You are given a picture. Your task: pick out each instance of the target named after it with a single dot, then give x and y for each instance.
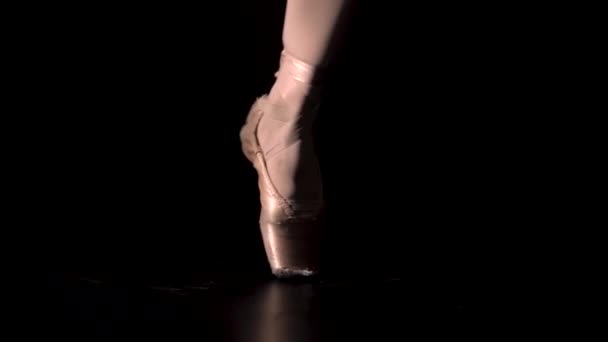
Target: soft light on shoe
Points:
(291, 230)
(293, 248)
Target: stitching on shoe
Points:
(263, 170)
(290, 207)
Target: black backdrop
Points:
(143, 174)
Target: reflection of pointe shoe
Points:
(291, 229)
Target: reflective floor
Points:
(268, 310)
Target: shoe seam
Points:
(285, 204)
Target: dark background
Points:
(144, 178)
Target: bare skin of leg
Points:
(311, 28)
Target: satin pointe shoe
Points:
(291, 229)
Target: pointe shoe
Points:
(291, 230)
